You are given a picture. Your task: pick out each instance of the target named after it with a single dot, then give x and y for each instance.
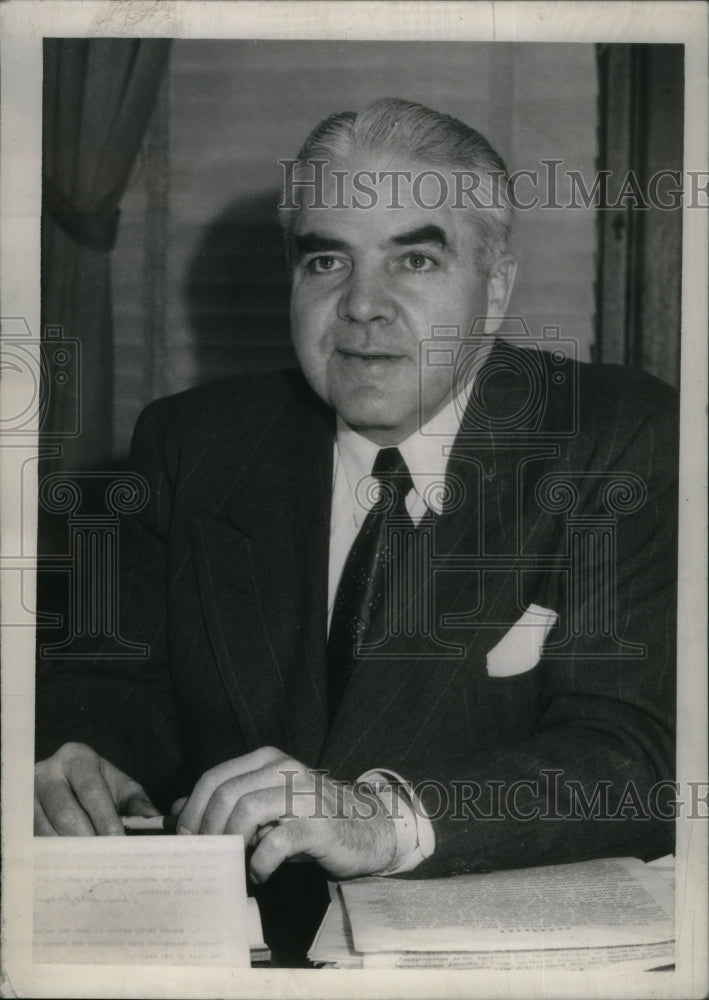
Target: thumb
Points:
(139, 805)
(178, 805)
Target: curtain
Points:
(98, 98)
(639, 278)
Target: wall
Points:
(232, 109)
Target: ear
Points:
(500, 281)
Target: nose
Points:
(366, 298)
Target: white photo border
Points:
(24, 23)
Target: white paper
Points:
(141, 901)
(334, 947)
(593, 903)
(333, 941)
(640, 956)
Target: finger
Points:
(226, 799)
(129, 797)
(96, 799)
(256, 810)
(42, 826)
(62, 810)
(291, 840)
(193, 813)
(177, 806)
(261, 833)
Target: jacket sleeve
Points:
(596, 776)
(122, 706)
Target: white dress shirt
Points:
(426, 454)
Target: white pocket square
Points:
(520, 649)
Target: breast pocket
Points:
(520, 649)
(503, 704)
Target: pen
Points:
(149, 824)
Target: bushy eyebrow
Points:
(423, 234)
(315, 242)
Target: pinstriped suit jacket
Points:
(224, 575)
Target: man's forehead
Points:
(379, 197)
(381, 223)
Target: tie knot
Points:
(391, 470)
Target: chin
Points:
(378, 426)
(366, 409)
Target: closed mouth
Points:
(362, 356)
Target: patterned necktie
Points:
(361, 591)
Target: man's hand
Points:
(79, 794)
(288, 811)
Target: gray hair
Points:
(396, 127)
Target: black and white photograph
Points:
(353, 465)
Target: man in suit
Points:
(483, 680)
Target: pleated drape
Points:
(98, 98)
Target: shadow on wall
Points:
(237, 292)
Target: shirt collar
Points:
(425, 452)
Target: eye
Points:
(417, 261)
(324, 263)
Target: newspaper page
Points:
(605, 902)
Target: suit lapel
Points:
(262, 569)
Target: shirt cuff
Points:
(415, 837)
